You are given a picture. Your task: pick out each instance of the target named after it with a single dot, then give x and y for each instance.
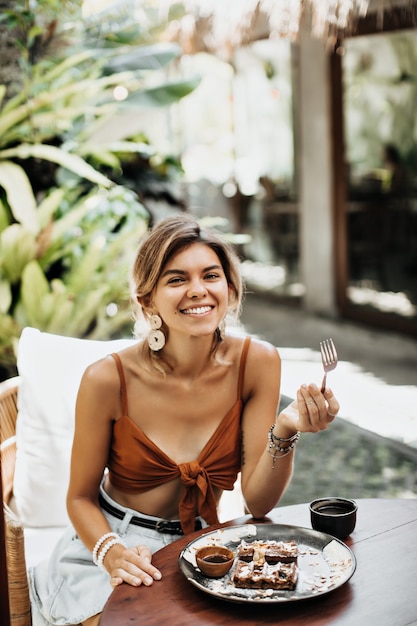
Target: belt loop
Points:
(125, 523)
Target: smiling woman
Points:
(182, 270)
(164, 426)
(193, 299)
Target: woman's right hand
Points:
(132, 566)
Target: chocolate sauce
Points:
(215, 558)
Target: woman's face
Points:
(192, 293)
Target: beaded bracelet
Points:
(106, 548)
(277, 448)
(100, 542)
(284, 439)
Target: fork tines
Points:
(328, 351)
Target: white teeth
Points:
(197, 311)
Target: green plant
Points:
(67, 227)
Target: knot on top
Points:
(190, 472)
(198, 497)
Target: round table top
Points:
(384, 543)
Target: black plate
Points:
(324, 563)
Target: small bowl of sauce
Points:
(335, 516)
(214, 561)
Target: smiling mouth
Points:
(199, 310)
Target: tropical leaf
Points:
(18, 247)
(88, 266)
(19, 193)
(9, 331)
(47, 306)
(4, 216)
(49, 206)
(5, 296)
(112, 326)
(69, 161)
(47, 75)
(162, 95)
(86, 311)
(143, 58)
(64, 224)
(100, 156)
(54, 274)
(3, 90)
(130, 147)
(87, 87)
(63, 306)
(34, 291)
(74, 60)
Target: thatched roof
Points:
(219, 27)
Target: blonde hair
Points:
(166, 239)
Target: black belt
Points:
(161, 526)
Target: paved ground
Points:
(389, 356)
(371, 450)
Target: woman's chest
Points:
(180, 419)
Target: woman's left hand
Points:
(312, 410)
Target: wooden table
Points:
(381, 592)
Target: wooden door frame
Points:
(393, 20)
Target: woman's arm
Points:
(98, 404)
(96, 408)
(265, 478)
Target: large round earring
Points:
(156, 338)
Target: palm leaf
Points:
(162, 95)
(143, 58)
(72, 162)
(20, 196)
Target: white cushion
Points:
(50, 367)
(39, 543)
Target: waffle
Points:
(266, 565)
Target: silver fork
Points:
(329, 359)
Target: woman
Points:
(174, 418)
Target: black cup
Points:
(335, 516)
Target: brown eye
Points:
(176, 279)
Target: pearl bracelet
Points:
(100, 542)
(106, 548)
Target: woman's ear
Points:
(232, 295)
(144, 301)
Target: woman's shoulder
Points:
(262, 355)
(258, 350)
(104, 371)
(101, 374)
(262, 365)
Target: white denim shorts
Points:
(69, 588)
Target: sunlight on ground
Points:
(273, 278)
(386, 301)
(367, 401)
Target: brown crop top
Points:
(137, 465)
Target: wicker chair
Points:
(20, 614)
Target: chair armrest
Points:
(20, 613)
(8, 462)
(19, 600)
(8, 417)
(8, 407)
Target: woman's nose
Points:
(196, 289)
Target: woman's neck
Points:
(189, 357)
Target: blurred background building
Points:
(307, 146)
